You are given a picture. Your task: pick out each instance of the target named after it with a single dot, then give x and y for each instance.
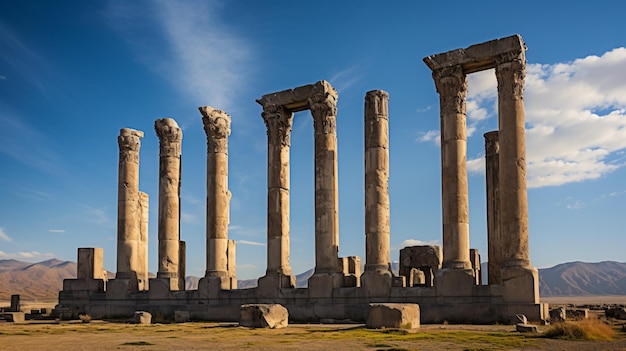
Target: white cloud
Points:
(25, 255)
(416, 242)
(575, 117)
(343, 80)
(4, 236)
(431, 135)
(476, 165)
(203, 58)
(56, 231)
(575, 205)
(248, 242)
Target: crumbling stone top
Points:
(297, 99)
(478, 57)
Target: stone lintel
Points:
(478, 57)
(296, 99)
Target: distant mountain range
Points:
(43, 280)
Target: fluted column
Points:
(451, 85)
(217, 129)
(278, 121)
(128, 207)
(142, 276)
(324, 110)
(494, 239)
(170, 138)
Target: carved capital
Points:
(451, 85)
(376, 102)
(278, 121)
(324, 110)
(129, 143)
(511, 73)
(492, 143)
(170, 137)
(217, 128)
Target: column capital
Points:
(451, 83)
(170, 136)
(511, 73)
(376, 104)
(492, 145)
(323, 107)
(216, 122)
(278, 121)
(129, 143)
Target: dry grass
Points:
(588, 329)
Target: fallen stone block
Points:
(616, 312)
(577, 314)
(263, 316)
(526, 328)
(393, 315)
(15, 317)
(520, 319)
(143, 317)
(558, 315)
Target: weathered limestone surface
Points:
(142, 274)
(170, 138)
(143, 317)
(217, 129)
(377, 278)
(128, 209)
(393, 315)
(90, 272)
(426, 258)
(475, 261)
(558, 315)
(15, 303)
(263, 316)
(492, 176)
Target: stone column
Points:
(170, 138)
(128, 210)
(519, 277)
(494, 239)
(451, 84)
(323, 107)
(142, 275)
(377, 278)
(217, 129)
(278, 121)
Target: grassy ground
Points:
(198, 336)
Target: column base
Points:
(520, 284)
(160, 288)
(210, 287)
(455, 282)
(322, 284)
(377, 283)
(173, 279)
(270, 284)
(119, 288)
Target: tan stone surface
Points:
(492, 176)
(393, 315)
(263, 316)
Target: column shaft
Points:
(142, 276)
(170, 138)
(324, 110)
(128, 209)
(376, 181)
(217, 129)
(494, 239)
(512, 172)
(451, 85)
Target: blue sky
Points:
(72, 73)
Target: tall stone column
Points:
(451, 83)
(377, 278)
(142, 275)
(217, 129)
(278, 121)
(128, 210)
(323, 106)
(494, 239)
(520, 279)
(170, 138)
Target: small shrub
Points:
(589, 329)
(85, 318)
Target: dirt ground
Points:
(99, 335)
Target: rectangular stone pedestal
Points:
(520, 284)
(321, 285)
(455, 282)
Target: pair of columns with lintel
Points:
(449, 73)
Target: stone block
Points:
(321, 285)
(143, 317)
(15, 317)
(520, 284)
(526, 328)
(416, 278)
(90, 263)
(181, 316)
(558, 315)
(615, 312)
(377, 283)
(393, 315)
(15, 303)
(263, 316)
(520, 318)
(427, 258)
(455, 282)
(577, 314)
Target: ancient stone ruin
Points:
(439, 284)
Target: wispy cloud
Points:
(417, 242)
(25, 255)
(575, 205)
(429, 136)
(56, 231)
(98, 216)
(248, 242)
(203, 58)
(4, 236)
(346, 78)
(575, 118)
